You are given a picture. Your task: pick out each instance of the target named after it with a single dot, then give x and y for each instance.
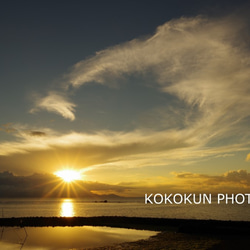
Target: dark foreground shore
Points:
(156, 224)
(174, 233)
(180, 241)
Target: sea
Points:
(124, 207)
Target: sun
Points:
(69, 175)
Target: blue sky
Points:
(134, 93)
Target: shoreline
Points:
(144, 223)
(173, 233)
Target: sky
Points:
(138, 96)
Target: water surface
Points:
(132, 208)
(62, 238)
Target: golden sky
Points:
(164, 110)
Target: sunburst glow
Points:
(68, 175)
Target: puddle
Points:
(62, 238)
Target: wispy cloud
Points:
(41, 149)
(202, 61)
(57, 103)
(110, 144)
(248, 157)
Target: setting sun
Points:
(68, 175)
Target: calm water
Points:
(137, 208)
(62, 238)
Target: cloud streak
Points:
(53, 151)
(204, 62)
(57, 103)
(201, 61)
(45, 150)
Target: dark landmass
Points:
(190, 226)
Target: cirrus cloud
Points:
(202, 61)
(57, 103)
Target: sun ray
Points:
(81, 187)
(62, 189)
(54, 189)
(72, 186)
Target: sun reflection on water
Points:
(67, 208)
